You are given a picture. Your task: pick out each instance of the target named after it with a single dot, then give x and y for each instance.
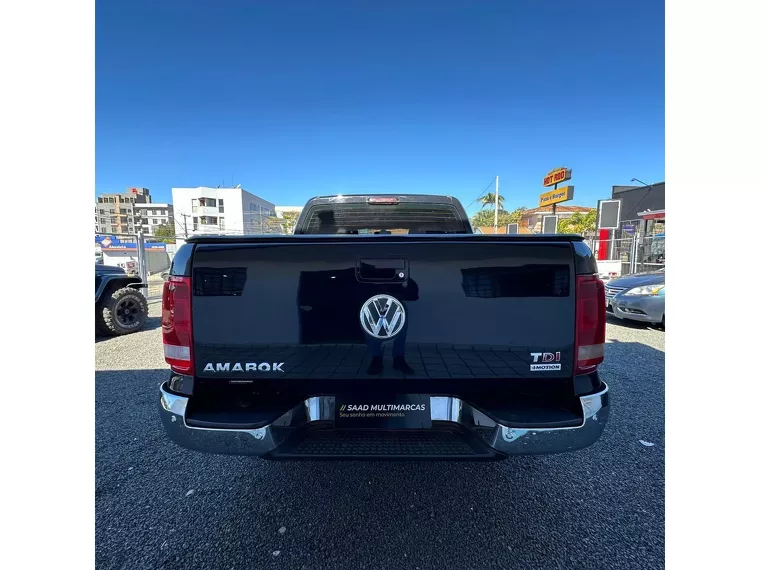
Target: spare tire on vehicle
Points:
(122, 312)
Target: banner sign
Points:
(556, 196)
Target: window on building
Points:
(221, 221)
(208, 202)
(102, 221)
(96, 229)
(209, 220)
(221, 206)
(96, 219)
(100, 200)
(195, 204)
(155, 222)
(195, 223)
(113, 221)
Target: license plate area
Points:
(382, 411)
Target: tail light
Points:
(177, 324)
(590, 323)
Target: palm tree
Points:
(490, 199)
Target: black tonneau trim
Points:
(394, 238)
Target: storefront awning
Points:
(652, 215)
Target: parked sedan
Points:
(639, 297)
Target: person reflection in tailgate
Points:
(404, 292)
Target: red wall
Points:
(604, 244)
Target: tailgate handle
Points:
(382, 270)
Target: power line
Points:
(481, 194)
(646, 194)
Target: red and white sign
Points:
(558, 175)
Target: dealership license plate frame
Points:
(379, 411)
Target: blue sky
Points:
(297, 98)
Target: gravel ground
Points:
(159, 506)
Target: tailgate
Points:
(453, 307)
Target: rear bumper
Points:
(459, 432)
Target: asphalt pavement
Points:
(161, 507)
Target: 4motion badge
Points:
(545, 361)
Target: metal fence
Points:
(636, 253)
(139, 255)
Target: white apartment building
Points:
(151, 216)
(205, 210)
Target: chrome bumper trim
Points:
(502, 438)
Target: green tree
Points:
(484, 218)
(514, 216)
(490, 199)
(166, 233)
(578, 223)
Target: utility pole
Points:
(496, 209)
(184, 222)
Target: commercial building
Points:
(115, 213)
(642, 208)
(205, 210)
(638, 242)
(122, 252)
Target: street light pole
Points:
(641, 182)
(496, 209)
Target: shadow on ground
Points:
(151, 323)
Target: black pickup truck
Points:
(384, 328)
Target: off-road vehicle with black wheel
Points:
(120, 306)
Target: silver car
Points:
(639, 297)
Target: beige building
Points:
(531, 220)
(115, 213)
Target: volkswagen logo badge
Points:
(382, 316)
